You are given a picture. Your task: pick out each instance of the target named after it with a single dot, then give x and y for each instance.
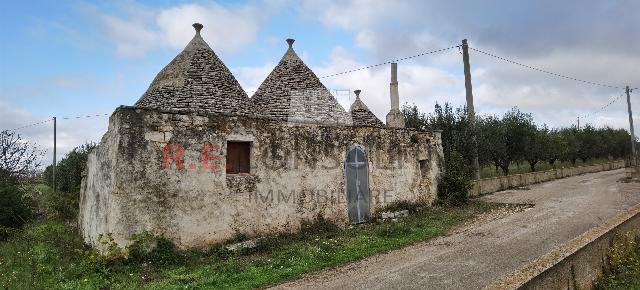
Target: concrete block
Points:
(387, 215)
(250, 244)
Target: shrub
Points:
(158, 249)
(318, 226)
(60, 204)
(15, 209)
(456, 133)
(399, 205)
(65, 202)
(454, 183)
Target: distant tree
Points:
(69, 170)
(454, 184)
(413, 118)
(552, 144)
(515, 138)
(518, 127)
(508, 139)
(19, 158)
(492, 148)
(615, 142)
(590, 143)
(456, 130)
(570, 144)
(534, 146)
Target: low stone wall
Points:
(490, 185)
(576, 265)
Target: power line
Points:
(545, 71)
(31, 125)
(86, 116)
(390, 61)
(63, 118)
(603, 107)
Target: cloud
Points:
(418, 84)
(70, 133)
(250, 78)
(355, 14)
(227, 30)
(131, 37)
(534, 27)
(137, 30)
(584, 43)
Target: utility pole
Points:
(578, 122)
(54, 155)
(633, 136)
(471, 114)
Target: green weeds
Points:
(49, 254)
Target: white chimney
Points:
(395, 117)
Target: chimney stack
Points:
(395, 117)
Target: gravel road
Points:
(479, 254)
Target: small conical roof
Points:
(361, 115)
(196, 80)
(293, 92)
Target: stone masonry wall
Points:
(165, 172)
(495, 184)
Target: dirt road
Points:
(478, 255)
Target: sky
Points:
(79, 58)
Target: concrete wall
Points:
(577, 264)
(490, 185)
(297, 174)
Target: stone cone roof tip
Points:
(196, 80)
(293, 92)
(361, 115)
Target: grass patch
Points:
(48, 254)
(624, 259)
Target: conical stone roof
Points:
(361, 115)
(196, 80)
(292, 92)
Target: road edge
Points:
(578, 264)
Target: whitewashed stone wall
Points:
(297, 175)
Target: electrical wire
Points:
(603, 107)
(545, 71)
(86, 116)
(63, 118)
(30, 125)
(390, 61)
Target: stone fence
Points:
(494, 184)
(577, 264)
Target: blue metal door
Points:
(357, 175)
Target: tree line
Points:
(512, 138)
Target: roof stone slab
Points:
(196, 80)
(292, 92)
(361, 115)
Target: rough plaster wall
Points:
(98, 186)
(297, 174)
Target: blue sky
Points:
(68, 58)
